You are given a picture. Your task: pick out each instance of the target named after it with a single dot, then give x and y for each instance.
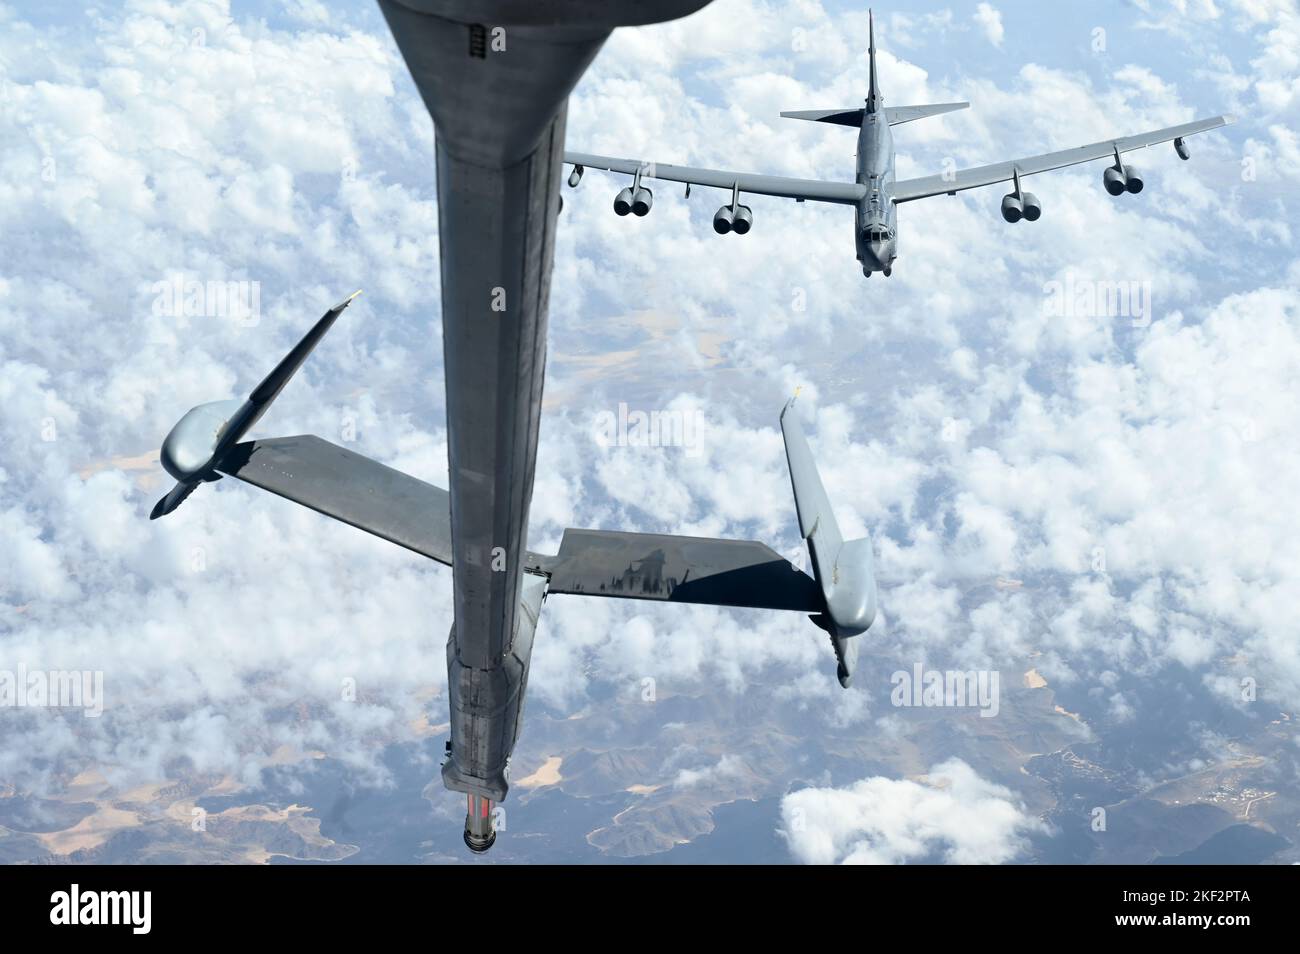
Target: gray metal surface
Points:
(346, 486)
(495, 77)
(499, 127)
(653, 566)
(486, 705)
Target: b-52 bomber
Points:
(876, 194)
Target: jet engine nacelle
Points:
(1013, 210)
(642, 199)
(743, 220)
(723, 220)
(1180, 147)
(575, 176)
(1115, 181)
(1133, 180)
(1031, 207)
(623, 202)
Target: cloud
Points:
(951, 815)
(989, 19)
(728, 767)
(1129, 473)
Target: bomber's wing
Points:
(654, 566)
(816, 190)
(909, 189)
(346, 486)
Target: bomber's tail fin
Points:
(874, 100)
(906, 114)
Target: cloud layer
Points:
(1128, 471)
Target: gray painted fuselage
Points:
(876, 225)
(495, 76)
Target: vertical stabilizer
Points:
(844, 569)
(874, 99)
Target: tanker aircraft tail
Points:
(839, 596)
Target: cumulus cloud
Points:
(951, 815)
(1128, 472)
(989, 19)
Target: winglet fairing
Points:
(196, 447)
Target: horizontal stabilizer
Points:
(348, 487)
(906, 114)
(652, 566)
(840, 117)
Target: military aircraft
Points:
(876, 194)
(486, 702)
(498, 102)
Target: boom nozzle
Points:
(479, 833)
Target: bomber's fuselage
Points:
(876, 220)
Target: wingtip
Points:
(346, 301)
(1229, 119)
